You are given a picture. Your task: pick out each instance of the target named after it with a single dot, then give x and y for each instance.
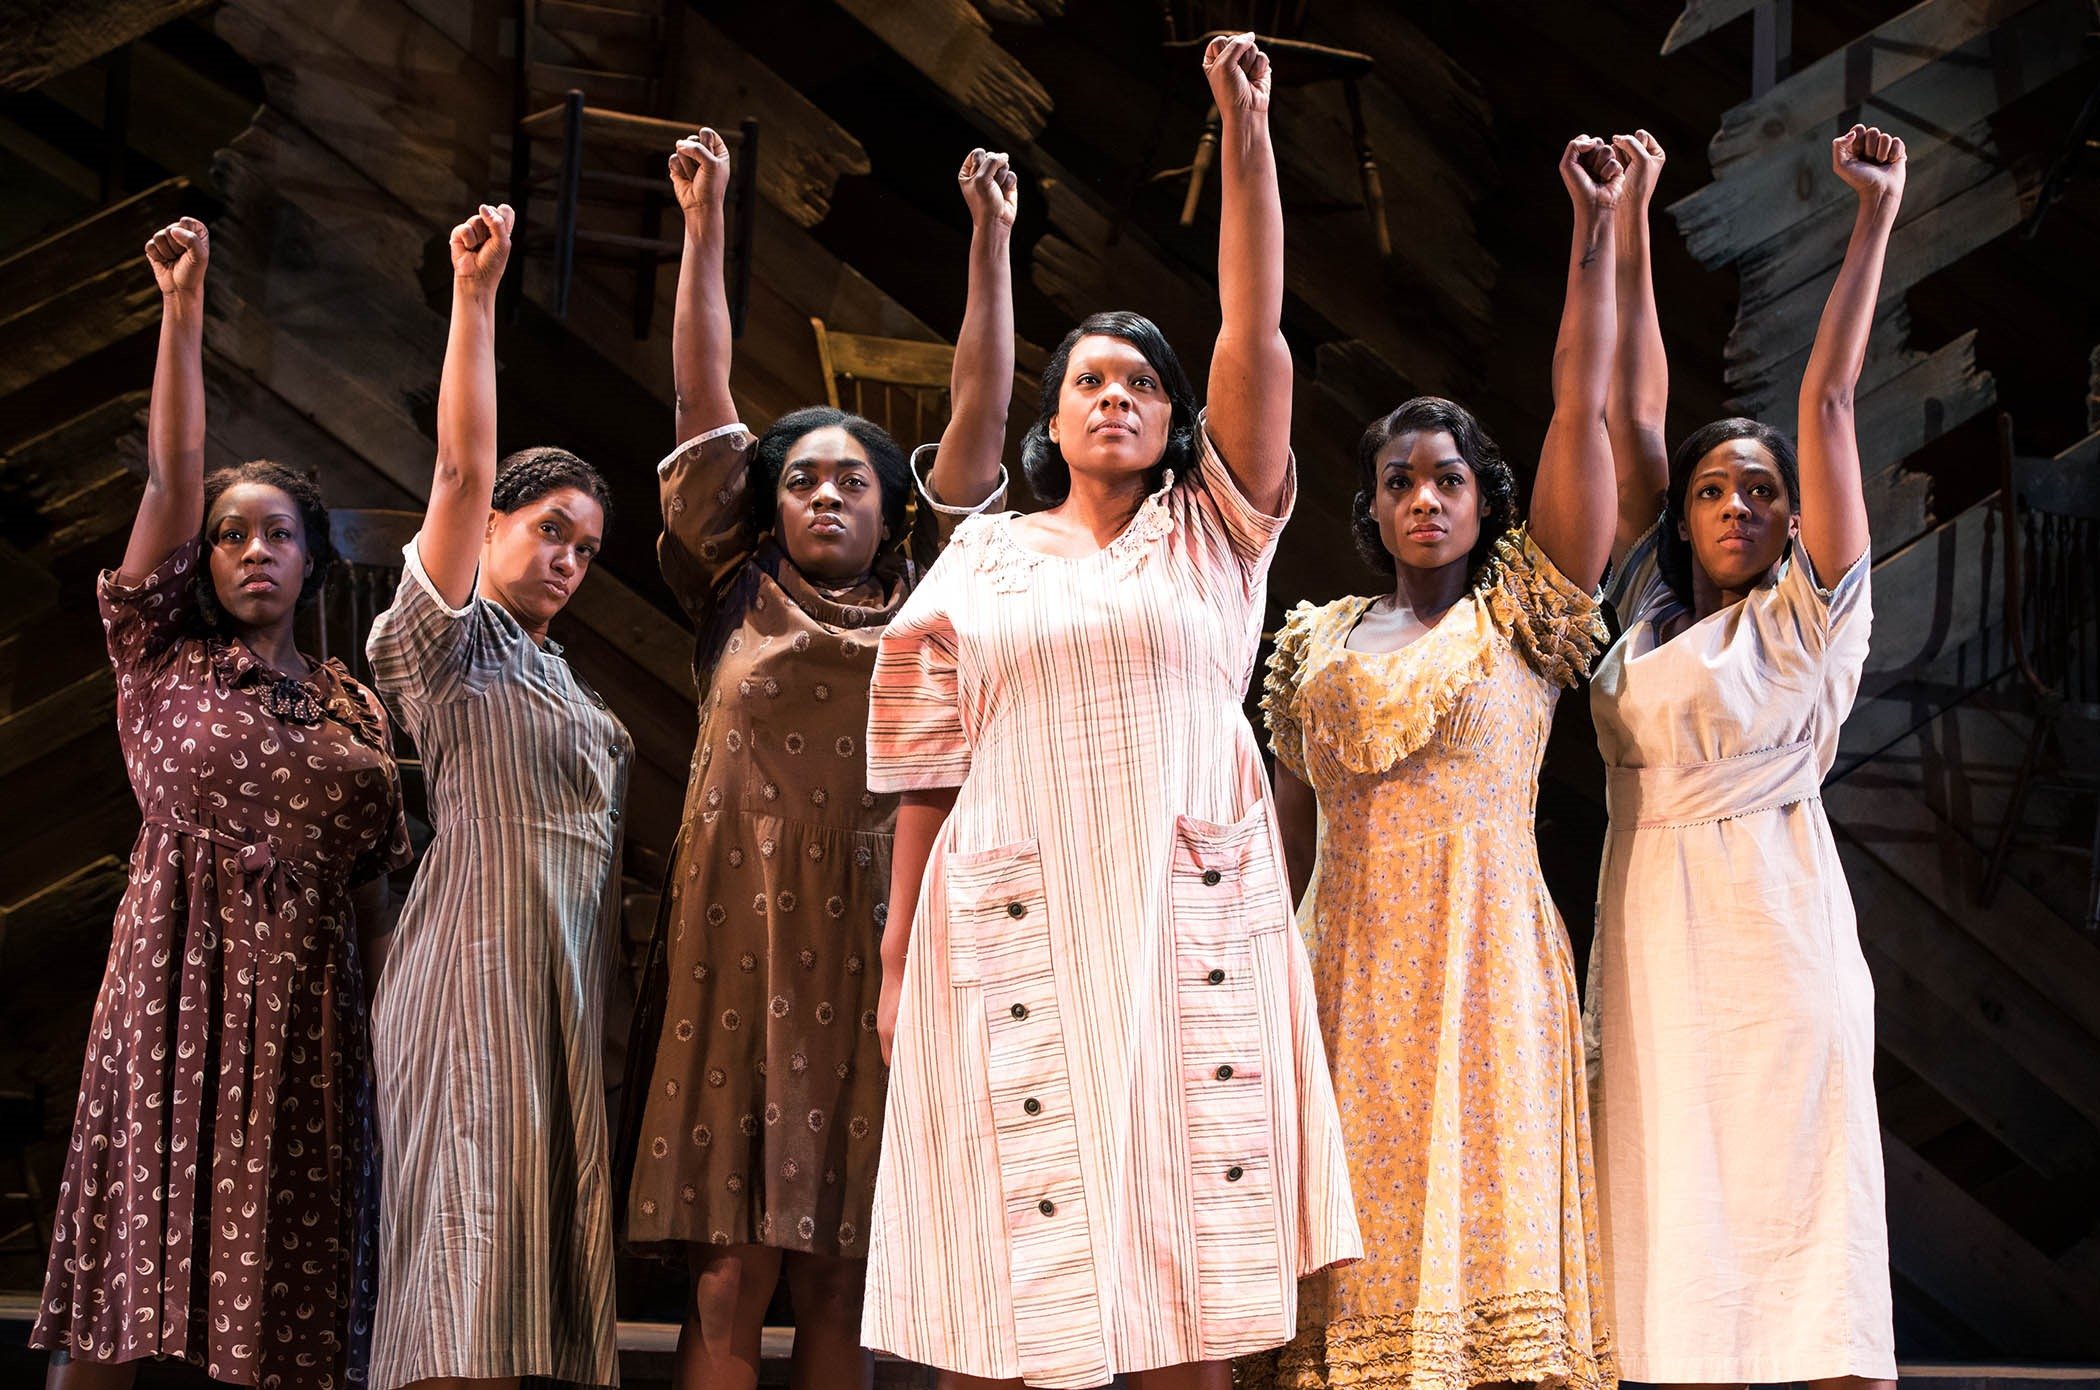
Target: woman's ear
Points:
(488, 531)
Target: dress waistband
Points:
(1694, 793)
(255, 854)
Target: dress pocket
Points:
(995, 904)
(1229, 912)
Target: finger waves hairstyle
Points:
(1673, 553)
(1500, 511)
(313, 519)
(1049, 476)
(769, 461)
(531, 474)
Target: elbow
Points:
(1828, 402)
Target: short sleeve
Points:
(1631, 586)
(937, 520)
(1279, 691)
(143, 622)
(425, 651)
(1248, 530)
(916, 739)
(393, 849)
(1556, 627)
(1832, 623)
(704, 485)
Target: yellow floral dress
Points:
(1446, 992)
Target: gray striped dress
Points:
(496, 1254)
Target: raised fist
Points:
(1239, 74)
(481, 245)
(990, 187)
(1870, 161)
(1642, 156)
(178, 253)
(1595, 178)
(700, 170)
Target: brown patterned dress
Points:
(754, 1105)
(218, 1202)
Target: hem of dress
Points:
(1518, 1338)
(74, 1353)
(667, 1247)
(1725, 1371)
(588, 1378)
(1258, 1345)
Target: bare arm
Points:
(1833, 507)
(700, 336)
(1298, 819)
(450, 543)
(1249, 395)
(172, 509)
(1639, 394)
(920, 816)
(966, 466)
(1573, 501)
(371, 903)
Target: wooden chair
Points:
(1192, 24)
(2051, 509)
(899, 383)
(368, 543)
(24, 1214)
(609, 113)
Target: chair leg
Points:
(1367, 166)
(1206, 156)
(2014, 808)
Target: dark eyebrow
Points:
(1453, 462)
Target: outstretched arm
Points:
(449, 544)
(172, 509)
(1573, 501)
(1249, 397)
(1639, 393)
(700, 336)
(1833, 507)
(966, 466)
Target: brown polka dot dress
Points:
(755, 1094)
(218, 1200)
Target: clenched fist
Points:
(1643, 157)
(178, 254)
(700, 171)
(481, 246)
(1870, 161)
(1595, 178)
(990, 187)
(1239, 74)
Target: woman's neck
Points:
(1100, 507)
(1428, 592)
(484, 588)
(1709, 598)
(277, 647)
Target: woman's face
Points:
(1737, 517)
(534, 557)
(1113, 411)
(828, 506)
(1426, 501)
(259, 563)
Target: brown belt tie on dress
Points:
(1639, 798)
(255, 855)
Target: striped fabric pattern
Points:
(1111, 1142)
(496, 1255)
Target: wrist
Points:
(182, 301)
(703, 222)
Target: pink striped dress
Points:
(1111, 1142)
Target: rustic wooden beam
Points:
(1755, 200)
(43, 38)
(85, 707)
(1841, 81)
(1980, 1270)
(1937, 592)
(1985, 1082)
(88, 896)
(1702, 17)
(952, 45)
(1936, 239)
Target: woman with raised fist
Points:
(1111, 1144)
(1730, 1009)
(1408, 730)
(496, 1257)
(218, 1200)
(755, 1097)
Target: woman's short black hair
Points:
(1500, 512)
(1673, 553)
(769, 461)
(313, 519)
(531, 474)
(1044, 463)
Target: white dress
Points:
(1111, 1142)
(1730, 1015)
